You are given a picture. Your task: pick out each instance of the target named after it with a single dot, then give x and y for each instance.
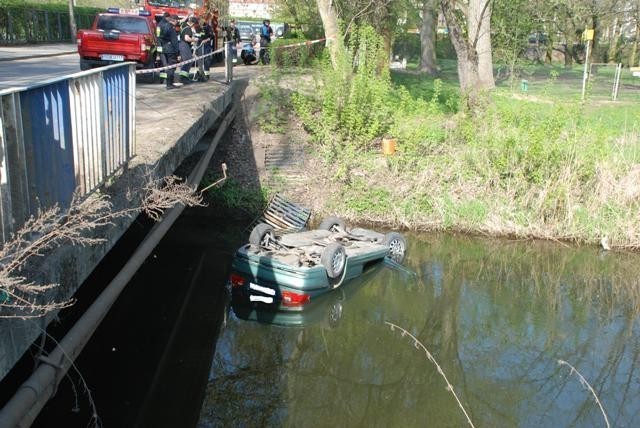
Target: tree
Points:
(428, 29)
(72, 21)
(330, 23)
(469, 29)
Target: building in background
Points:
(259, 9)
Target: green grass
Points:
(540, 163)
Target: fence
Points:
(19, 25)
(63, 136)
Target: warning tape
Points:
(180, 64)
(196, 58)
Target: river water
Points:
(503, 320)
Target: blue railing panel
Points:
(63, 136)
(47, 127)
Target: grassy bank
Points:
(537, 164)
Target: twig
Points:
(586, 384)
(419, 345)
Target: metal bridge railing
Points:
(62, 136)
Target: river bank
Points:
(524, 169)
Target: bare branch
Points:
(586, 384)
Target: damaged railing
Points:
(61, 136)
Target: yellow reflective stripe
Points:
(159, 49)
(184, 73)
(162, 75)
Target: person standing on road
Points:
(233, 35)
(265, 39)
(207, 40)
(169, 42)
(186, 39)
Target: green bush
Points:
(353, 106)
(302, 54)
(40, 22)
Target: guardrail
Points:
(63, 136)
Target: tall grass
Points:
(536, 164)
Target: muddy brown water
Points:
(496, 315)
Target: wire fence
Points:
(605, 82)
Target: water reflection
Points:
(496, 315)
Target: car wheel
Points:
(334, 259)
(332, 224)
(335, 314)
(397, 246)
(84, 65)
(261, 235)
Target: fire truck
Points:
(182, 8)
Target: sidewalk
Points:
(18, 52)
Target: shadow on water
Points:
(497, 316)
(147, 363)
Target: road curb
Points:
(44, 55)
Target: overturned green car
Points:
(289, 271)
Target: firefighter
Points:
(207, 40)
(186, 39)
(169, 43)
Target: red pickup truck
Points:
(116, 36)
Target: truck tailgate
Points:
(116, 44)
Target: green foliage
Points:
(283, 55)
(235, 196)
(407, 45)
(272, 109)
(360, 198)
(40, 22)
(353, 106)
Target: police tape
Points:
(197, 58)
(180, 64)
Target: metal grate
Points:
(283, 215)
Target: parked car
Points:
(287, 272)
(246, 32)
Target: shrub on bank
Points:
(543, 167)
(40, 22)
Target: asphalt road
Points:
(31, 71)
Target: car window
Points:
(125, 24)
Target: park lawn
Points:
(538, 164)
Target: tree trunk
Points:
(634, 48)
(72, 22)
(330, 24)
(613, 42)
(479, 24)
(428, 62)
(466, 54)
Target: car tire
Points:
(397, 245)
(84, 65)
(334, 259)
(332, 224)
(260, 234)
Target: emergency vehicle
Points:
(199, 8)
(119, 35)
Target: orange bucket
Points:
(388, 146)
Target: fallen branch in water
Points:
(419, 345)
(586, 384)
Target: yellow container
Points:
(388, 146)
